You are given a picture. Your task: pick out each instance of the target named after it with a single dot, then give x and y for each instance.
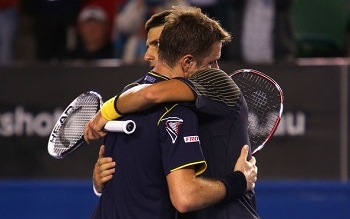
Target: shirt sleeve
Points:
(179, 139)
(98, 194)
(217, 93)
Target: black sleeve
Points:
(217, 93)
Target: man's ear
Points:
(187, 62)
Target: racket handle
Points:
(127, 126)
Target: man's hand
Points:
(103, 171)
(248, 168)
(94, 129)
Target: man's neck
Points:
(166, 70)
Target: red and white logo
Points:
(189, 139)
(172, 125)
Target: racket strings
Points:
(264, 106)
(71, 130)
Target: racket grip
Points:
(127, 126)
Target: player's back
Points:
(222, 139)
(138, 186)
(223, 124)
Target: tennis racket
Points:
(67, 134)
(264, 98)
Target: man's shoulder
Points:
(180, 108)
(133, 84)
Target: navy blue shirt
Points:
(223, 122)
(165, 140)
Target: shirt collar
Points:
(154, 77)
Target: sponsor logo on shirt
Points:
(172, 125)
(189, 139)
(150, 78)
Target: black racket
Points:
(67, 134)
(264, 98)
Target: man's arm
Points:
(190, 193)
(139, 98)
(134, 100)
(105, 168)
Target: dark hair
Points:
(156, 20)
(188, 31)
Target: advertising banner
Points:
(306, 144)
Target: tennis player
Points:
(170, 90)
(165, 150)
(223, 123)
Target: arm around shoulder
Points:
(135, 100)
(189, 192)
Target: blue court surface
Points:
(42, 199)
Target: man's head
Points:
(154, 27)
(191, 39)
(93, 27)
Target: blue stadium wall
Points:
(75, 199)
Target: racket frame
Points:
(280, 112)
(61, 121)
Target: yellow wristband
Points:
(108, 110)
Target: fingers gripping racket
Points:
(67, 134)
(264, 98)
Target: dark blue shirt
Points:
(223, 123)
(165, 140)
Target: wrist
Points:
(115, 105)
(235, 184)
(109, 110)
(96, 191)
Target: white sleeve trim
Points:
(98, 194)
